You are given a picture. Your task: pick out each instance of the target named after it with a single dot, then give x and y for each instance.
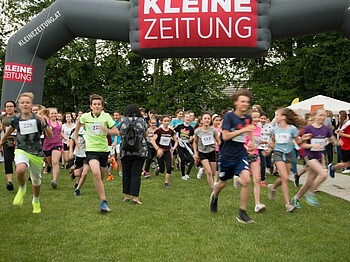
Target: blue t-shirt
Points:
(175, 122)
(119, 138)
(284, 138)
(234, 149)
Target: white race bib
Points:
(165, 140)
(95, 129)
(28, 127)
(208, 140)
(257, 140)
(283, 138)
(318, 141)
(265, 138)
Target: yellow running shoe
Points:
(36, 207)
(19, 198)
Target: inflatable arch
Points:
(164, 28)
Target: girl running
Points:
(151, 151)
(161, 143)
(216, 123)
(318, 135)
(28, 152)
(184, 133)
(282, 143)
(205, 140)
(67, 128)
(53, 146)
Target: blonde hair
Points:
(27, 94)
(292, 118)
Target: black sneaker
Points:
(9, 186)
(213, 203)
(296, 180)
(242, 217)
(156, 171)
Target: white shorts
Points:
(34, 168)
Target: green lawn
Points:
(171, 225)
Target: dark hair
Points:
(292, 118)
(263, 114)
(132, 110)
(241, 92)
(64, 117)
(95, 97)
(10, 101)
(164, 116)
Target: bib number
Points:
(208, 140)
(318, 141)
(164, 140)
(283, 138)
(28, 127)
(95, 129)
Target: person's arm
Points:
(195, 147)
(176, 143)
(217, 139)
(8, 132)
(229, 135)
(153, 142)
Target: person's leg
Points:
(55, 159)
(190, 160)
(322, 174)
(181, 153)
(9, 154)
(127, 166)
(136, 170)
(20, 172)
(255, 170)
(96, 173)
(329, 149)
(85, 169)
(262, 165)
(245, 182)
(283, 169)
(208, 170)
(168, 163)
(312, 174)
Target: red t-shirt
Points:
(346, 141)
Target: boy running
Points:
(98, 125)
(28, 152)
(233, 153)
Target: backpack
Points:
(131, 140)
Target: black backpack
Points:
(131, 140)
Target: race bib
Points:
(318, 141)
(95, 129)
(208, 140)
(28, 127)
(240, 138)
(257, 140)
(283, 138)
(164, 140)
(265, 138)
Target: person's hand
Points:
(160, 152)
(248, 128)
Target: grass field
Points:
(171, 225)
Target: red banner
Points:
(18, 72)
(197, 23)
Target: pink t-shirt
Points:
(56, 140)
(257, 138)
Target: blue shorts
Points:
(228, 169)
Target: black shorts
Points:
(211, 156)
(65, 147)
(345, 155)
(79, 162)
(101, 157)
(48, 153)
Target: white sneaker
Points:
(184, 178)
(236, 183)
(259, 207)
(187, 177)
(346, 171)
(200, 173)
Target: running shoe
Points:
(271, 192)
(77, 192)
(263, 183)
(166, 186)
(295, 202)
(53, 184)
(36, 207)
(156, 171)
(187, 176)
(289, 208)
(213, 203)
(236, 183)
(104, 207)
(296, 180)
(346, 171)
(259, 208)
(19, 198)
(200, 173)
(10, 186)
(312, 200)
(184, 178)
(242, 217)
(146, 174)
(110, 177)
(331, 170)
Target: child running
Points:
(97, 124)
(28, 152)
(282, 144)
(204, 143)
(151, 151)
(233, 155)
(318, 135)
(161, 143)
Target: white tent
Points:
(325, 102)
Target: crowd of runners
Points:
(241, 144)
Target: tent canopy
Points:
(328, 103)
